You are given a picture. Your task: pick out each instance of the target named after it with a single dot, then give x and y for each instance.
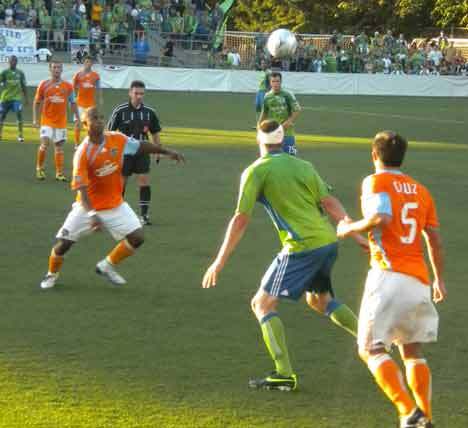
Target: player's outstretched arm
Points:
(149, 148)
(436, 257)
(347, 228)
(335, 210)
(234, 233)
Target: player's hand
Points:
(96, 224)
(178, 157)
(343, 229)
(286, 124)
(211, 276)
(439, 292)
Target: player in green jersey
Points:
(263, 87)
(12, 93)
(295, 197)
(282, 106)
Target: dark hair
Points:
(137, 84)
(87, 58)
(390, 148)
(276, 74)
(268, 126)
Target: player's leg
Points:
(320, 295)
(18, 109)
(142, 168)
(4, 109)
(418, 376)
(59, 157)
(339, 313)
(124, 226)
(75, 226)
(379, 322)
(46, 134)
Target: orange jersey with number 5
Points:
(398, 246)
(85, 85)
(54, 97)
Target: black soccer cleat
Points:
(145, 220)
(417, 419)
(275, 382)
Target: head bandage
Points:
(275, 137)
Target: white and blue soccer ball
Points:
(282, 44)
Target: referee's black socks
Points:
(145, 199)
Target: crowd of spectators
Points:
(109, 22)
(381, 53)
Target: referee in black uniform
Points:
(140, 122)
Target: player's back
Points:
(398, 246)
(292, 191)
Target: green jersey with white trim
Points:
(291, 190)
(279, 106)
(11, 85)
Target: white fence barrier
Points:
(179, 79)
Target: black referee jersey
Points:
(134, 122)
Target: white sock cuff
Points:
(375, 361)
(415, 362)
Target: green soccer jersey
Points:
(290, 189)
(11, 85)
(279, 106)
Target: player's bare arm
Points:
(335, 210)
(234, 233)
(346, 228)
(74, 109)
(436, 257)
(294, 115)
(37, 106)
(146, 147)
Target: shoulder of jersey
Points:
(116, 134)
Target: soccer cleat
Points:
(20, 140)
(275, 382)
(417, 419)
(61, 177)
(49, 281)
(105, 269)
(40, 174)
(145, 220)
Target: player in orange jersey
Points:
(50, 102)
(399, 214)
(87, 87)
(98, 181)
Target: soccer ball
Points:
(282, 43)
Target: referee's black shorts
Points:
(136, 164)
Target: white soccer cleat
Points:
(49, 281)
(105, 269)
(20, 140)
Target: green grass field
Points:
(162, 352)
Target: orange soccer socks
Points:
(390, 379)
(77, 136)
(59, 159)
(55, 262)
(41, 155)
(418, 376)
(120, 252)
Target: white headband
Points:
(275, 137)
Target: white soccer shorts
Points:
(55, 135)
(119, 222)
(395, 309)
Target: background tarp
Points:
(180, 79)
